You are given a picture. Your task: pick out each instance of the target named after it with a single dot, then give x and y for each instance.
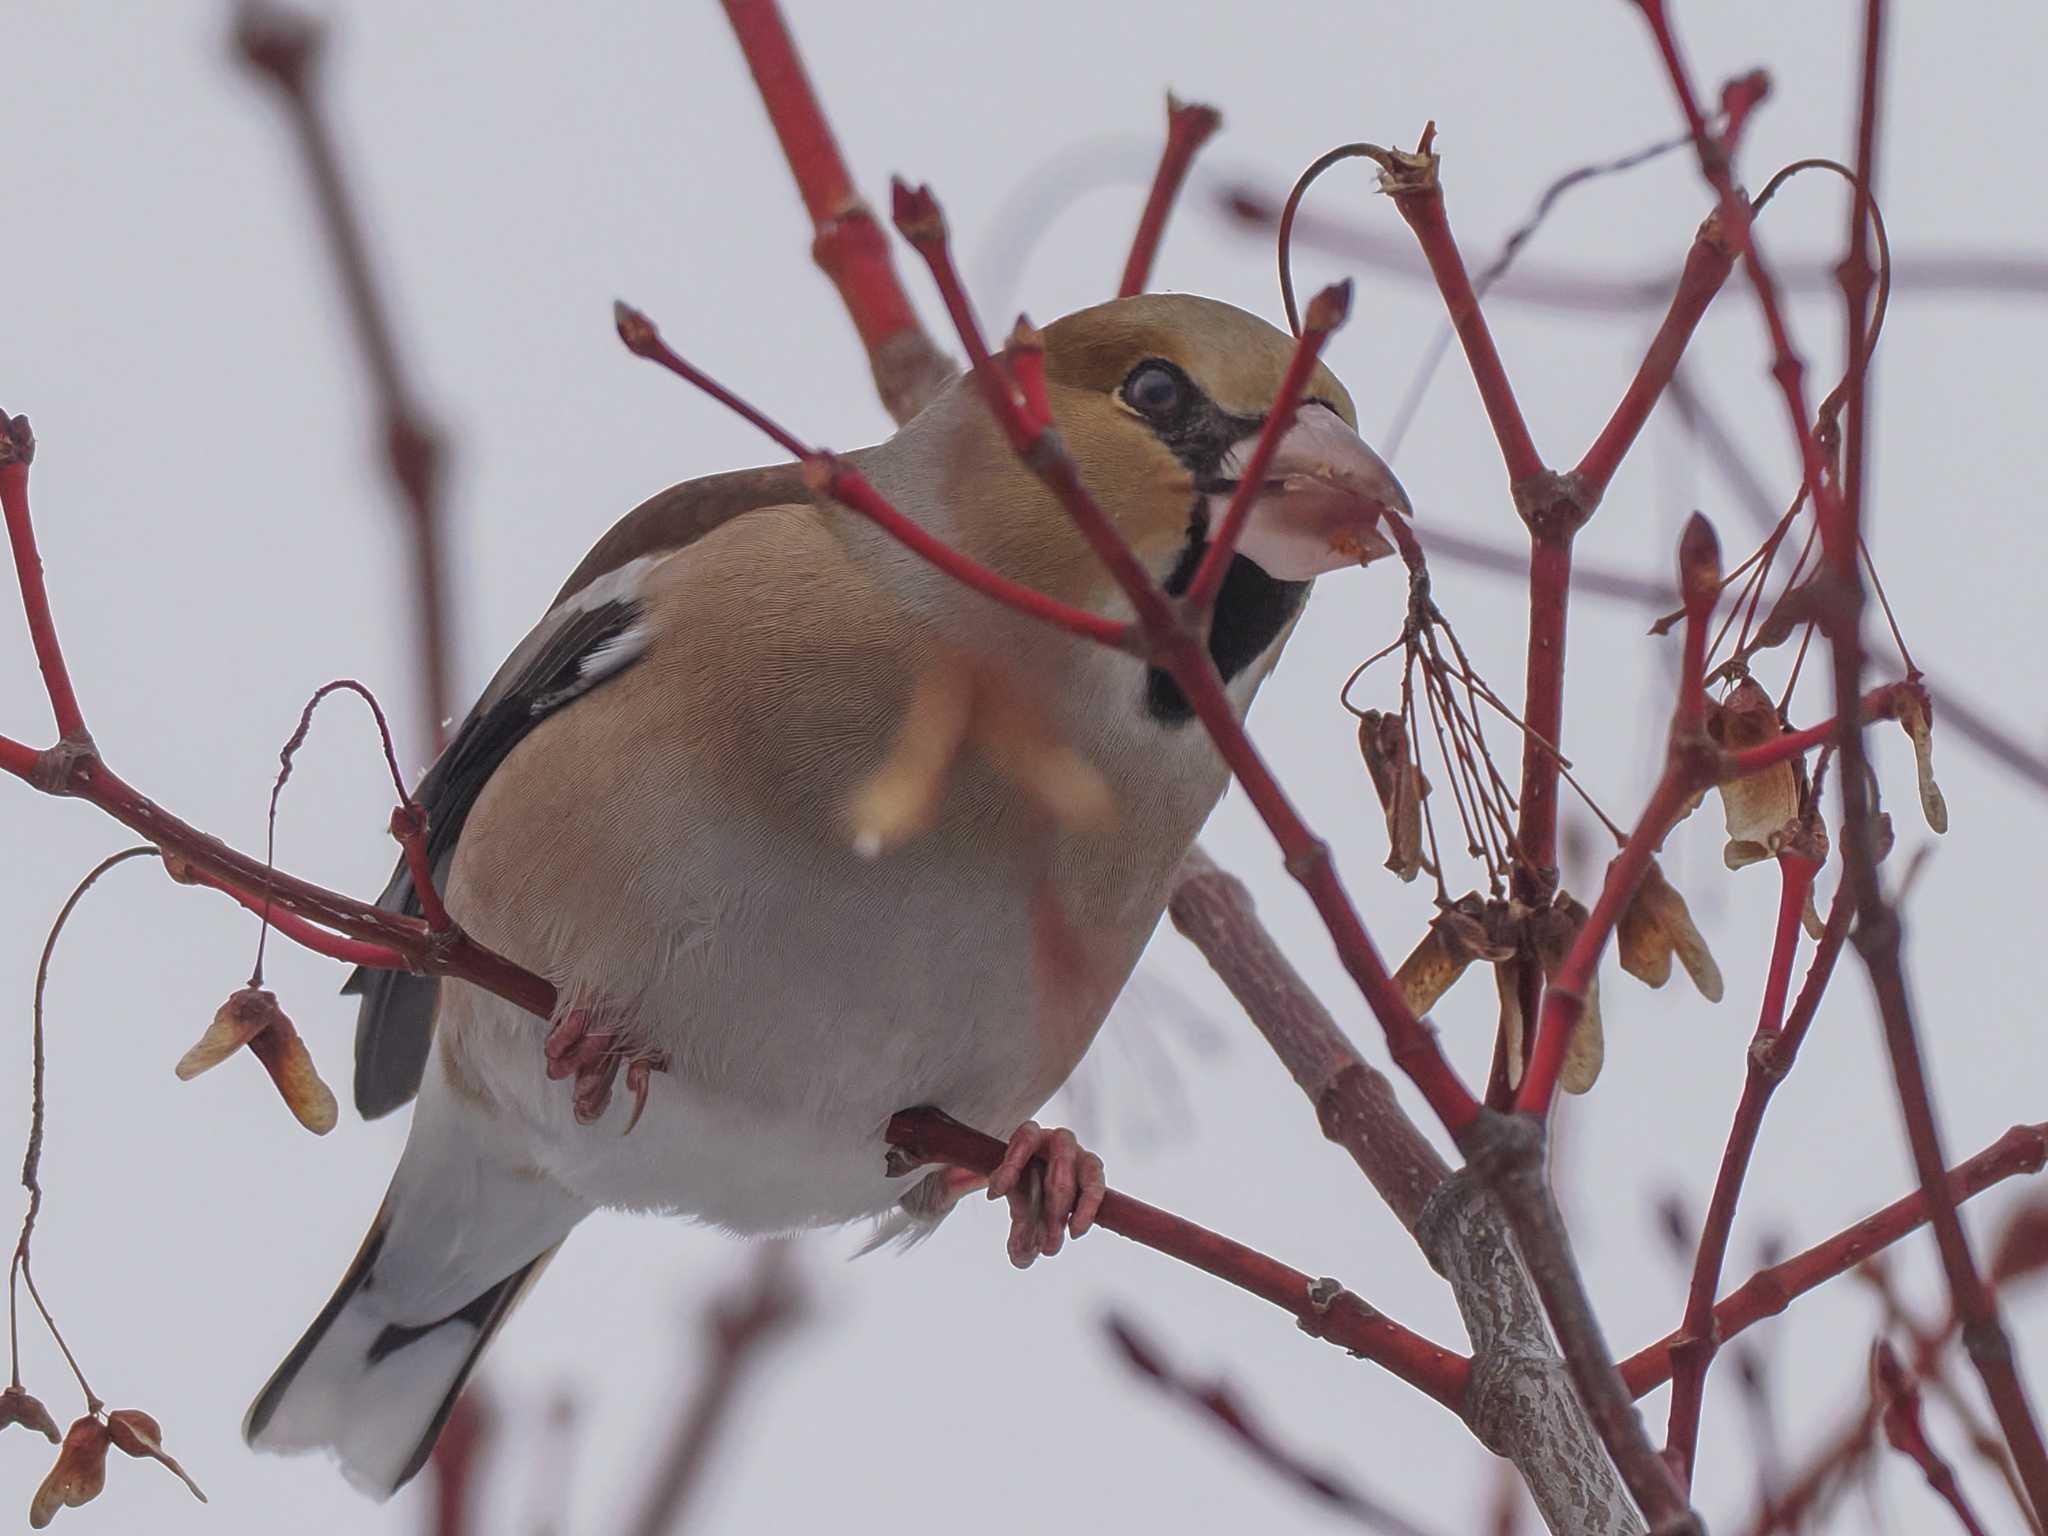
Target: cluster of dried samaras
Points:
(1770, 814)
(81, 1469)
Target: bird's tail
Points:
(455, 1245)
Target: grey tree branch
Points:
(1521, 1404)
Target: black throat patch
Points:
(1251, 610)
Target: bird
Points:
(805, 832)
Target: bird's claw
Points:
(1055, 1189)
(579, 1047)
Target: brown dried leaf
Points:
(1756, 807)
(1383, 739)
(1554, 932)
(18, 1407)
(78, 1476)
(137, 1434)
(1655, 925)
(1913, 716)
(1469, 929)
(1551, 933)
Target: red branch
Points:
(737, 1326)
(1189, 126)
(835, 478)
(1179, 646)
(1706, 268)
(1326, 312)
(1417, 190)
(1219, 1403)
(1323, 1308)
(849, 246)
(321, 919)
(1690, 764)
(1697, 1340)
(1838, 511)
(1898, 1398)
(2023, 1149)
(17, 451)
(284, 48)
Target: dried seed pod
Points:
(1470, 928)
(1383, 740)
(1757, 806)
(1656, 925)
(1915, 717)
(137, 1434)
(78, 1476)
(17, 1406)
(253, 1018)
(1550, 933)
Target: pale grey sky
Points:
(219, 542)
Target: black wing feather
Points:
(394, 1026)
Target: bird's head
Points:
(1160, 399)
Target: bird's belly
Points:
(795, 1027)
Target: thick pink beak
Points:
(1324, 497)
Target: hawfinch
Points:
(806, 833)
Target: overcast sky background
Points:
(220, 541)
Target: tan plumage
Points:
(655, 803)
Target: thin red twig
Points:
(1698, 1343)
(1189, 125)
(1219, 1403)
(284, 47)
(1326, 312)
(1838, 511)
(17, 451)
(835, 478)
(1323, 1307)
(737, 1327)
(2023, 1149)
(848, 243)
(1898, 1398)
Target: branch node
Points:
(1554, 504)
(17, 441)
(59, 770)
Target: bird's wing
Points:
(588, 637)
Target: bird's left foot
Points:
(1054, 1186)
(582, 1046)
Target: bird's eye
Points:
(1154, 389)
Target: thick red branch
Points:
(1189, 125)
(1706, 268)
(849, 246)
(1413, 182)
(1323, 1308)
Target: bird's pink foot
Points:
(1054, 1186)
(584, 1046)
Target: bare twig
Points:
(1217, 1401)
(283, 47)
(736, 1327)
